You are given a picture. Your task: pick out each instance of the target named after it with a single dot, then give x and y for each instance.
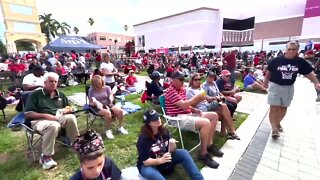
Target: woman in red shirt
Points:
(130, 82)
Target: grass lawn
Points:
(15, 165)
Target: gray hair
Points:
(293, 43)
(52, 75)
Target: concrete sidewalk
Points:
(296, 154)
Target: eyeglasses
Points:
(292, 49)
(197, 79)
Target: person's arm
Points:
(27, 87)
(266, 79)
(185, 104)
(312, 77)
(40, 116)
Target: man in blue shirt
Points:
(251, 83)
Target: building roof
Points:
(178, 14)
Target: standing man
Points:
(282, 73)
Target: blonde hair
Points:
(97, 81)
(193, 76)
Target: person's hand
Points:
(197, 111)
(218, 98)
(67, 110)
(317, 86)
(200, 97)
(165, 158)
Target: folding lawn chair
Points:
(91, 113)
(170, 122)
(34, 137)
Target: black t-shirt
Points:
(110, 171)
(284, 71)
(155, 89)
(223, 85)
(149, 148)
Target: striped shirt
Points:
(172, 96)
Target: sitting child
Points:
(94, 165)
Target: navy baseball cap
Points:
(150, 115)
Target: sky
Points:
(112, 15)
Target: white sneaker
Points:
(109, 134)
(122, 130)
(47, 162)
(318, 99)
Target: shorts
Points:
(187, 122)
(249, 88)
(280, 95)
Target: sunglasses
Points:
(228, 76)
(197, 79)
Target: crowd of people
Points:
(200, 89)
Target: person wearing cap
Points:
(213, 104)
(154, 89)
(94, 164)
(193, 119)
(251, 83)
(282, 73)
(41, 115)
(131, 80)
(33, 80)
(226, 88)
(157, 152)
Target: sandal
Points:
(275, 134)
(233, 136)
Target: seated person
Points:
(33, 80)
(226, 88)
(62, 73)
(158, 153)
(177, 105)
(155, 89)
(129, 67)
(212, 104)
(131, 80)
(167, 81)
(259, 74)
(80, 73)
(251, 83)
(40, 112)
(101, 101)
(94, 164)
(212, 90)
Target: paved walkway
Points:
(296, 154)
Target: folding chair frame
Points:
(169, 118)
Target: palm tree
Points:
(91, 22)
(63, 28)
(125, 27)
(75, 30)
(48, 26)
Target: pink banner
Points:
(163, 50)
(312, 8)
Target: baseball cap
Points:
(37, 69)
(225, 73)
(211, 74)
(88, 142)
(150, 115)
(177, 75)
(155, 74)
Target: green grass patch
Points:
(143, 73)
(15, 165)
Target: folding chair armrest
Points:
(88, 108)
(172, 118)
(17, 121)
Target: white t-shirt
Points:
(31, 79)
(82, 60)
(108, 67)
(138, 60)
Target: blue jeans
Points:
(180, 156)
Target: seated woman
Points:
(211, 88)
(155, 89)
(101, 100)
(157, 151)
(131, 80)
(94, 165)
(63, 75)
(212, 103)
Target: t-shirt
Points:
(211, 89)
(108, 68)
(152, 148)
(131, 80)
(191, 93)
(284, 71)
(102, 95)
(33, 80)
(223, 85)
(155, 89)
(231, 61)
(172, 96)
(248, 80)
(110, 171)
